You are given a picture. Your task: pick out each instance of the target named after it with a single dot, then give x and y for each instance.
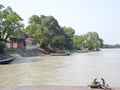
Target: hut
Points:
(31, 43)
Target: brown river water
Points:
(78, 69)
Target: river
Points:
(78, 69)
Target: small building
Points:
(31, 43)
(8, 43)
(18, 43)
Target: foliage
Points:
(9, 21)
(43, 29)
(47, 32)
(91, 40)
(68, 33)
(2, 46)
(111, 46)
(79, 41)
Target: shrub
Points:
(2, 46)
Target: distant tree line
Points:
(111, 46)
(91, 40)
(49, 34)
(47, 31)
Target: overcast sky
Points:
(101, 16)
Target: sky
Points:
(101, 16)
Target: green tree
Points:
(68, 33)
(101, 43)
(46, 30)
(9, 21)
(79, 41)
(2, 46)
(93, 41)
(2, 51)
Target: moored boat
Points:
(6, 60)
(61, 54)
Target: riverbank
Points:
(18, 53)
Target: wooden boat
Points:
(6, 61)
(60, 54)
(82, 51)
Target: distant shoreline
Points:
(19, 53)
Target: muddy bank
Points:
(18, 53)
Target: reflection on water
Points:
(78, 69)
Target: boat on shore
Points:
(60, 54)
(82, 51)
(7, 60)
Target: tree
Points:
(93, 41)
(2, 46)
(34, 20)
(101, 43)
(68, 32)
(79, 41)
(45, 29)
(9, 21)
(2, 51)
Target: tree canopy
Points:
(9, 21)
(47, 31)
(91, 40)
(79, 41)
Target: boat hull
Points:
(60, 54)
(6, 61)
